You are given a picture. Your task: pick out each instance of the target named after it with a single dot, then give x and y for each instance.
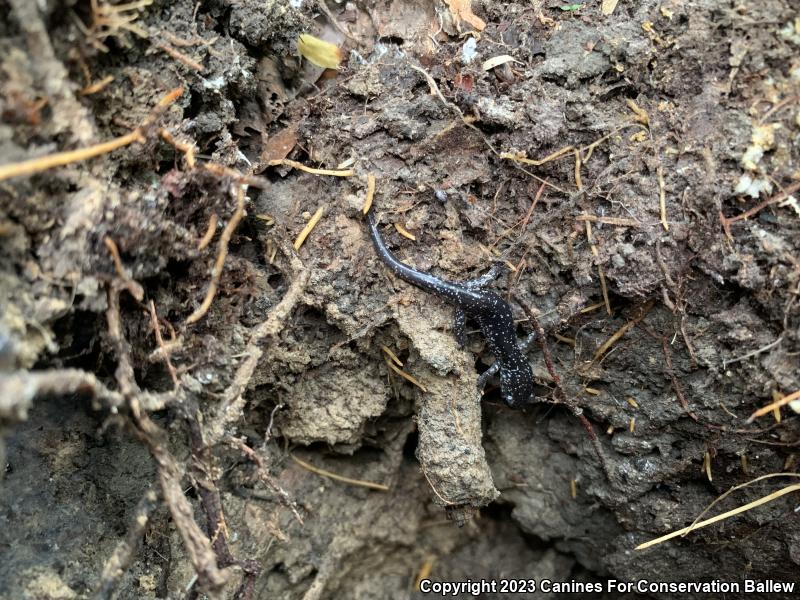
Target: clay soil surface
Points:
(191, 407)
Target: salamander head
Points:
(516, 383)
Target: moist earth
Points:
(635, 166)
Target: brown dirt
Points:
(693, 99)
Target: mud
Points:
(647, 132)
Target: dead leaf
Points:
(464, 82)
(496, 61)
(462, 11)
(279, 144)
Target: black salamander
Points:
(492, 313)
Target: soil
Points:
(183, 459)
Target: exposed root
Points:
(170, 473)
(125, 552)
(216, 271)
(232, 403)
(160, 341)
(560, 395)
(114, 20)
(60, 159)
(18, 390)
(263, 474)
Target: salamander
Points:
(492, 313)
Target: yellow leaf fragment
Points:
(608, 6)
(462, 11)
(321, 53)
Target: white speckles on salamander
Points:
(492, 313)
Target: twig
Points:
(18, 390)
(114, 251)
(405, 232)
(187, 148)
(96, 87)
(208, 492)
(676, 386)
(268, 432)
(733, 489)
(124, 372)
(596, 254)
(642, 313)
(662, 196)
(359, 482)
(170, 472)
(782, 195)
(407, 376)
(611, 221)
(180, 56)
(370, 193)
(60, 159)
(752, 353)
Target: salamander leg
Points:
(493, 273)
(460, 327)
(484, 377)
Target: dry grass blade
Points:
(392, 355)
(360, 482)
(370, 193)
(405, 232)
(623, 330)
(405, 375)
(300, 166)
(773, 405)
(726, 515)
(308, 228)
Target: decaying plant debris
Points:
(209, 385)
